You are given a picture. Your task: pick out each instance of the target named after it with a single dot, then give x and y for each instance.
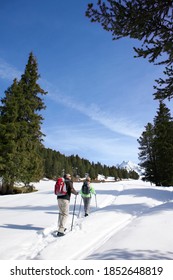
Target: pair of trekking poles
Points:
(74, 208)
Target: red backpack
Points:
(60, 187)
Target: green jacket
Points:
(92, 191)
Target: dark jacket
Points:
(70, 190)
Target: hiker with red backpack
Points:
(63, 189)
(86, 193)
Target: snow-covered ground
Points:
(129, 220)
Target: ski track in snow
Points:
(48, 235)
(46, 239)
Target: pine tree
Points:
(9, 131)
(20, 133)
(156, 148)
(163, 145)
(147, 154)
(164, 88)
(92, 172)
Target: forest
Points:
(56, 164)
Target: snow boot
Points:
(60, 234)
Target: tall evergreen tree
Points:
(20, 129)
(9, 131)
(147, 154)
(156, 148)
(163, 145)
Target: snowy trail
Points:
(111, 208)
(47, 243)
(123, 208)
(95, 235)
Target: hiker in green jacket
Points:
(86, 193)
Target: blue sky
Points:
(99, 96)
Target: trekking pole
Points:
(96, 200)
(73, 213)
(80, 207)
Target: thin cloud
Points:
(7, 71)
(115, 124)
(95, 145)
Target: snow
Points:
(131, 166)
(129, 220)
(101, 177)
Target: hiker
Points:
(86, 193)
(63, 204)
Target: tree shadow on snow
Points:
(22, 227)
(155, 193)
(133, 208)
(125, 254)
(31, 207)
(160, 195)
